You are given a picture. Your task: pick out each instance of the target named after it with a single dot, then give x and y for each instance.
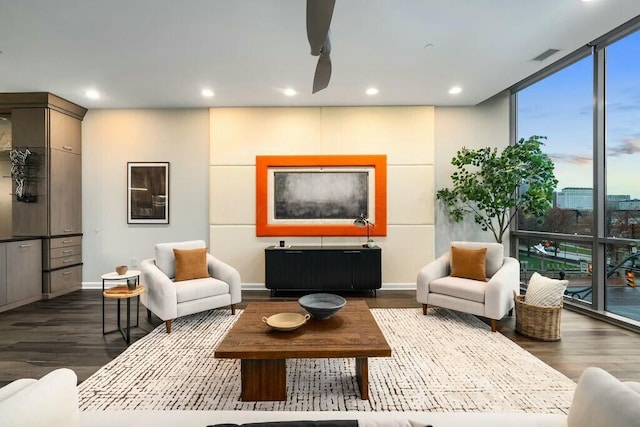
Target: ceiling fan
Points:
(319, 13)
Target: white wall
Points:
(404, 134)
(484, 125)
(110, 139)
(212, 174)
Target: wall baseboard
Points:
(260, 286)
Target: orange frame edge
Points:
(263, 163)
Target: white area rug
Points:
(445, 361)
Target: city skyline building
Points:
(581, 198)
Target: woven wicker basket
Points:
(542, 323)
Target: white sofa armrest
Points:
(499, 294)
(160, 296)
(434, 270)
(223, 271)
(50, 401)
(603, 400)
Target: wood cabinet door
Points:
(3, 275)
(65, 132)
(367, 269)
(334, 268)
(24, 270)
(65, 193)
(29, 127)
(29, 131)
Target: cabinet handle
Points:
(66, 273)
(64, 242)
(67, 230)
(66, 261)
(352, 252)
(68, 251)
(67, 148)
(25, 246)
(292, 252)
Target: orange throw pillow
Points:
(191, 264)
(469, 263)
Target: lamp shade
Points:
(363, 221)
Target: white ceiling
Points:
(161, 53)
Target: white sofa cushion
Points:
(544, 291)
(51, 401)
(165, 259)
(14, 387)
(603, 400)
(189, 290)
(472, 290)
(633, 386)
(495, 254)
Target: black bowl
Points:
(322, 306)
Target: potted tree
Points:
(493, 186)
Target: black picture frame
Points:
(148, 193)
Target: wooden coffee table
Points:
(352, 332)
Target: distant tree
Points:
(560, 220)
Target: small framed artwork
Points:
(148, 192)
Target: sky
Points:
(560, 107)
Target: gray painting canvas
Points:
(321, 195)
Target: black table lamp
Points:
(363, 221)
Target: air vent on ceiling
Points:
(544, 55)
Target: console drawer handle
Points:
(64, 242)
(67, 230)
(68, 251)
(292, 252)
(352, 252)
(66, 273)
(67, 148)
(67, 260)
(25, 246)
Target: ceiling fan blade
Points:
(323, 73)
(319, 14)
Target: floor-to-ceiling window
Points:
(560, 108)
(622, 168)
(588, 107)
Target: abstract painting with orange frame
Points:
(320, 195)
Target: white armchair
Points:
(492, 299)
(169, 300)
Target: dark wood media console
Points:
(323, 268)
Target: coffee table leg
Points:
(362, 375)
(263, 379)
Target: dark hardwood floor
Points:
(67, 332)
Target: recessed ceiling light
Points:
(455, 90)
(290, 92)
(207, 93)
(92, 94)
(372, 91)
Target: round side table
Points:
(129, 276)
